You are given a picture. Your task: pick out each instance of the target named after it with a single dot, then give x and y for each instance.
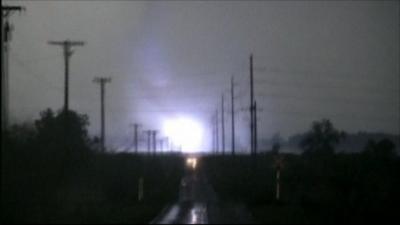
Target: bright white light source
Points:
(184, 132)
(191, 162)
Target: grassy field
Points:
(53, 172)
(101, 189)
(341, 188)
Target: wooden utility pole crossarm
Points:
(67, 52)
(7, 9)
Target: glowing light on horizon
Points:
(184, 132)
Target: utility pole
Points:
(233, 116)
(255, 128)
(135, 136)
(154, 134)
(223, 124)
(167, 145)
(163, 144)
(102, 81)
(251, 107)
(66, 45)
(212, 133)
(148, 132)
(6, 29)
(136, 128)
(161, 141)
(216, 131)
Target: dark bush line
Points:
(339, 188)
(101, 190)
(47, 177)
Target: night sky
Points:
(312, 59)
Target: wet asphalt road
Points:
(198, 204)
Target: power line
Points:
(31, 71)
(293, 113)
(324, 85)
(326, 99)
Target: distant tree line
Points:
(319, 186)
(348, 142)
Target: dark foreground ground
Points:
(103, 188)
(339, 188)
(199, 204)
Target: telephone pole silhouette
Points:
(214, 141)
(67, 52)
(102, 81)
(255, 128)
(135, 136)
(161, 145)
(154, 135)
(148, 133)
(6, 30)
(233, 115)
(252, 114)
(216, 132)
(167, 146)
(222, 124)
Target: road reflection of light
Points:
(198, 214)
(194, 218)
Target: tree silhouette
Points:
(321, 139)
(64, 133)
(276, 143)
(381, 149)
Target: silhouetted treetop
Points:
(63, 128)
(322, 138)
(381, 149)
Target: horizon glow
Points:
(184, 132)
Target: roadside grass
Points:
(101, 189)
(341, 188)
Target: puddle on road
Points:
(198, 214)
